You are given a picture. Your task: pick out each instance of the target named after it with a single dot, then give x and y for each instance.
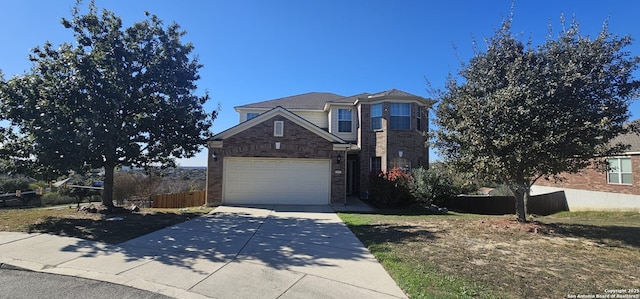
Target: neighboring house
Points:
(315, 148)
(617, 188)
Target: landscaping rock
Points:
(88, 209)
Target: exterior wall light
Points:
(338, 158)
(214, 156)
(400, 154)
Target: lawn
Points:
(99, 227)
(472, 256)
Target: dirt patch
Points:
(512, 224)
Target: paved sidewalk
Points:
(235, 252)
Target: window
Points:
(278, 128)
(402, 163)
(376, 164)
(344, 120)
(419, 120)
(619, 171)
(400, 116)
(251, 115)
(376, 117)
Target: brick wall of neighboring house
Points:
(258, 141)
(596, 180)
(387, 143)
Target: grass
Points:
(472, 256)
(93, 226)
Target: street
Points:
(28, 284)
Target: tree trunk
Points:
(521, 194)
(107, 192)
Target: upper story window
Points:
(344, 120)
(376, 117)
(400, 116)
(278, 128)
(419, 120)
(619, 171)
(251, 115)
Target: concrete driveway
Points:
(236, 252)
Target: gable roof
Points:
(278, 111)
(306, 101)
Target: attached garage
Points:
(276, 181)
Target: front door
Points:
(351, 176)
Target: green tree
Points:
(521, 113)
(117, 96)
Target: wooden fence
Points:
(543, 204)
(179, 200)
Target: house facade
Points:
(315, 148)
(596, 188)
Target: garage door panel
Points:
(276, 181)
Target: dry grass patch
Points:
(549, 258)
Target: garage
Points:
(276, 181)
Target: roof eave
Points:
(240, 109)
(328, 105)
(420, 100)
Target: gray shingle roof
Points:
(317, 100)
(311, 100)
(352, 98)
(631, 138)
(392, 92)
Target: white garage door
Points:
(276, 181)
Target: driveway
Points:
(236, 252)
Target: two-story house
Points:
(315, 148)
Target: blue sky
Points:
(260, 50)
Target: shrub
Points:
(10, 185)
(53, 198)
(501, 190)
(431, 186)
(391, 189)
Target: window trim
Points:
(350, 120)
(278, 128)
(392, 116)
(376, 117)
(619, 173)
